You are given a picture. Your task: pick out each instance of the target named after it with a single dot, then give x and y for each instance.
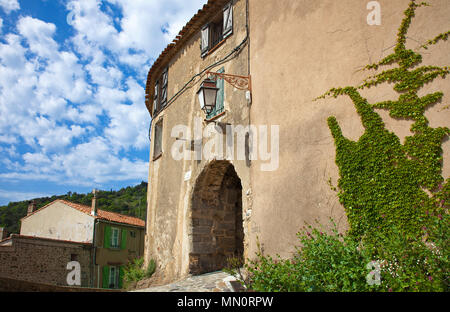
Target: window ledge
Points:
(215, 117)
(218, 45)
(157, 157)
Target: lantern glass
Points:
(207, 95)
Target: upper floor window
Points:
(115, 238)
(160, 94)
(217, 30)
(219, 108)
(157, 143)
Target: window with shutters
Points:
(157, 141)
(114, 277)
(217, 30)
(114, 238)
(219, 108)
(160, 93)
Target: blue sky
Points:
(72, 78)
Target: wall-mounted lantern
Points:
(207, 95)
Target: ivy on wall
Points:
(383, 183)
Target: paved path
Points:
(210, 282)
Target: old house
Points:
(102, 242)
(258, 163)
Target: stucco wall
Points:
(299, 50)
(59, 221)
(169, 195)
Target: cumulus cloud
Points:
(79, 106)
(9, 5)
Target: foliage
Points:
(327, 261)
(135, 271)
(385, 184)
(129, 201)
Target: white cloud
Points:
(1, 25)
(9, 5)
(39, 36)
(79, 107)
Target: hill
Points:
(131, 200)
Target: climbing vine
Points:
(383, 183)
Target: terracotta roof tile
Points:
(101, 214)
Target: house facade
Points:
(114, 239)
(259, 165)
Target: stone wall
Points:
(14, 285)
(217, 232)
(44, 260)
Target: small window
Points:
(157, 144)
(219, 108)
(133, 234)
(160, 93)
(113, 277)
(217, 30)
(114, 238)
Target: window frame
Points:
(114, 277)
(160, 91)
(219, 109)
(115, 230)
(206, 33)
(157, 153)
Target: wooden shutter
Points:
(164, 88)
(227, 20)
(220, 97)
(220, 93)
(123, 242)
(157, 146)
(121, 274)
(155, 98)
(105, 277)
(205, 39)
(107, 237)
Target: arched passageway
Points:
(217, 230)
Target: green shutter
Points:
(123, 243)
(120, 276)
(105, 277)
(107, 237)
(220, 97)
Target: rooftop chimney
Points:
(31, 207)
(94, 203)
(2, 233)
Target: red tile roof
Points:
(101, 214)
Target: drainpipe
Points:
(94, 258)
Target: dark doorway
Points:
(217, 231)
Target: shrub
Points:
(327, 261)
(135, 271)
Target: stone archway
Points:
(217, 229)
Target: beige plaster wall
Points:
(169, 195)
(299, 50)
(59, 221)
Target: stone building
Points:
(228, 190)
(44, 260)
(113, 240)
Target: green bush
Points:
(135, 270)
(327, 261)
